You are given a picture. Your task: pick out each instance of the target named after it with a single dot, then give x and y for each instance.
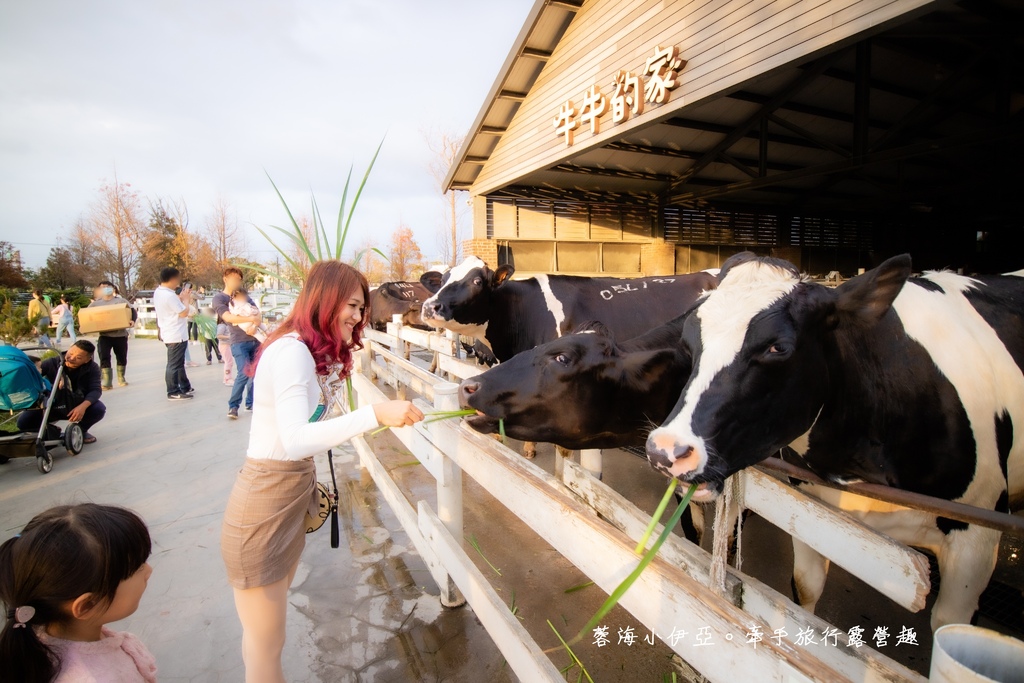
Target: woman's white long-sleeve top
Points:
(287, 394)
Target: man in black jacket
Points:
(77, 398)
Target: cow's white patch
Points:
(456, 274)
(712, 271)
(724, 316)
(552, 303)
(1016, 273)
(966, 349)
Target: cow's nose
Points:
(678, 459)
(430, 308)
(467, 389)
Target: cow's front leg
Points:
(529, 450)
(810, 569)
(967, 558)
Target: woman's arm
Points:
(293, 377)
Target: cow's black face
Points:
(578, 391)
(462, 301)
(759, 344)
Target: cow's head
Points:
(462, 299)
(578, 391)
(759, 345)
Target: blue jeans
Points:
(244, 354)
(66, 323)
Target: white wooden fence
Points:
(596, 529)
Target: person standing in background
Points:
(243, 347)
(106, 294)
(65, 317)
(171, 319)
(39, 315)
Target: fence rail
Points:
(596, 529)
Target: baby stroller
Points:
(22, 387)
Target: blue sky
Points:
(195, 99)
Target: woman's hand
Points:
(397, 413)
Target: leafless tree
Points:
(116, 223)
(444, 147)
(223, 231)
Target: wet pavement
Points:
(367, 611)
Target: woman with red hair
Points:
(297, 412)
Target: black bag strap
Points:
(335, 531)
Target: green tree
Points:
(59, 271)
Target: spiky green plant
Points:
(321, 246)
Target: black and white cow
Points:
(402, 298)
(511, 316)
(915, 383)
(608, 393)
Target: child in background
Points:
(241, 304)
(211, 346)
(224, 346)
(57, 609)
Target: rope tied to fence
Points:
(731, 499)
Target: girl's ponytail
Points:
(23, 656)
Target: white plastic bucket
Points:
(962, 653)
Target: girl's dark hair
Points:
(61, 554)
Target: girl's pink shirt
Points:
(117, 656)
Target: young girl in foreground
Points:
(71, 571)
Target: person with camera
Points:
(78, 393)
(171, 307)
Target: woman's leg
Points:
(71, 331)
(262, 612)
(61, 325)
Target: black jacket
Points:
(84, 380)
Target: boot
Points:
(121, 381)
(106, 378)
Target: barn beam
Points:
(810, 109)
(738, 132)
(1010, 131)
(620, 146)
(803, 132)
(613, 173)
(862, 98)
(914, 115)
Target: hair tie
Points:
(21, 615)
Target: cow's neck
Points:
(516, 320)
(878, 421)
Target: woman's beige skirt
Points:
(264, 528)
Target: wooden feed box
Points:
(104, 318)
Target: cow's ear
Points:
(502, 275)
(868, 297)
(642, 370)
(431, 280)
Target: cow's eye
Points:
(477, 281)
(562, 358)
(777, 349)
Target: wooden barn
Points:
(650, 137)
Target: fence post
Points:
(396, 319)
(591, 461)
(456, 348)
(449, 491)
